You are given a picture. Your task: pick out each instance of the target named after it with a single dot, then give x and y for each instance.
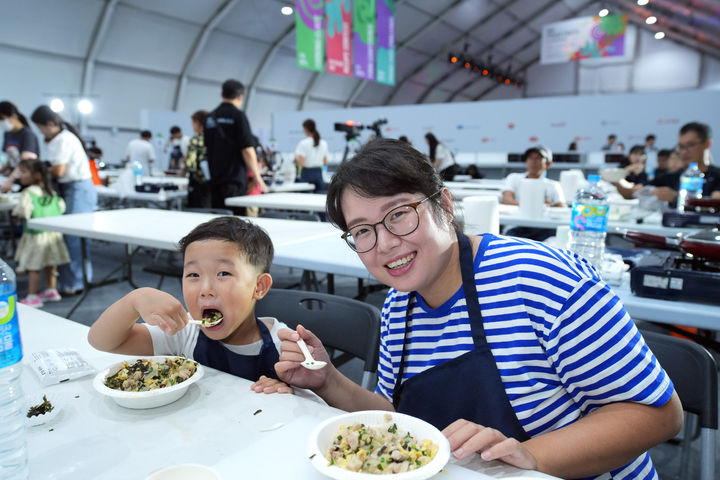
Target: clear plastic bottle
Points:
(691, 185)
(138, 171)
(13, 448)
(588, 223)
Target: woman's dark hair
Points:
(253, 241)
(8, 109)
(383, 168)
(38, 166)
(433, 143)
(309, 125)
(43, 115)
(200, 116)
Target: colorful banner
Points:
(309, 34)
(364, 39)
(385, 42)
(584, 38)
(337, 36)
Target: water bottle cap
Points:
(693, 165)
(593, 178)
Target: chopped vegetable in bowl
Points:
(145, 374)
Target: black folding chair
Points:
(693, 371)
(344, 324)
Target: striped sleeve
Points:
(600, 356)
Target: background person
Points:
(196, 164)
(490, 337)
(537, 161)
(141, 150)
(609, 145)
(70, 167)
(39, 250)
(177, 145)
(441, 157)
(311, 156)
(635, 166)
(19, 142)
(230, 148)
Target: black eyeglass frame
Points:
(414, 206)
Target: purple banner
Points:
(364, 39)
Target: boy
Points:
(225, 271)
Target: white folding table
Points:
(306, 202)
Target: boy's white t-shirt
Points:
(553, 190)
(183, 342)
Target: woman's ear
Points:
(264, 282)
(446, 203)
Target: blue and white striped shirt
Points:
(563, 342)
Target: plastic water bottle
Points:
(588, 223)
(137, 172)
(13, 448)
(691, 185)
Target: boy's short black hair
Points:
(703, 131)
(232, 89)
(252, 240)
(174, 129)
(145, 134)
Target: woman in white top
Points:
(311, 156)
(441, 158)
(70, 166)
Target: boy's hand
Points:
(160, 309)
(288, 366)
(270, 385)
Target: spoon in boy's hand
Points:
(207, 322)
(309, 363)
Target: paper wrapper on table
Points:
(531, 197)
(481, 214)
(571, 181)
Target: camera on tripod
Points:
(351, 129)
(375, 127)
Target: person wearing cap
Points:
(537, 161)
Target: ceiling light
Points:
(57, 105)
(642, 2)
(603, 12)
(659, 35)
(85, 106)
(286, 10)
(651, 19)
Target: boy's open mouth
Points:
(211, 317)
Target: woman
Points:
(196, 164)
(519, 351)
(635, 166)
(441, 158)
(19, 142)
(311, 155)
(69, 165)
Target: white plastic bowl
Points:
(322, 436)
(149, 399)
(613, 175)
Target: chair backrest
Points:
(341, 323)
(215, 211)
(310, 217)
(693, 370)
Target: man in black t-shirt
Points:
(230, 148)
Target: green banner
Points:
(309, 34)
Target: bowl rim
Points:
(320, 462)
(99, 380)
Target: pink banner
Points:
(338, 35)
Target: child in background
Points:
(225, 271)
(37, 249)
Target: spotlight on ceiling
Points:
(659, 35)
(85, 106)
(57, 105)
(603, 13)
(642, 2)
(651, 20)
(286, 10)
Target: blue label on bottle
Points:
(692, 184)
(589, 218)
(10, 346)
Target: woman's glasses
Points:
(399, 221)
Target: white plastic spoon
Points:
(309, 363)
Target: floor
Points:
(107, 256)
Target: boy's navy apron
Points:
(213, 354)
(468, 386)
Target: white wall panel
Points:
(62, 27)
(665, 65)
(121, 94)
(113, 144)
(146, 39)
(265, 104)
(227, 56)
(604, 79)
(711, 73)
(200, 96)
(557, 79)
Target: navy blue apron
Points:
(468, 386)
(213, 354)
